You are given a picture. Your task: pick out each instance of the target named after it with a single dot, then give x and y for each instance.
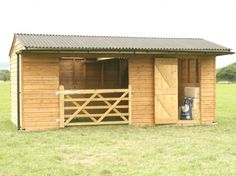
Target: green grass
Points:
(122, 150)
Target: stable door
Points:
(166, 90)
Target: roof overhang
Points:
(153, 52)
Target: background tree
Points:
(227, 73)
(4, 75)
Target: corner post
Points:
(62, 112)
(130, 104)
(18, 90)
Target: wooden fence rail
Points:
(94, 106)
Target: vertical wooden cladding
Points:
(66, 73)
(41, 81)
(111, 74)
(82, 74)
(141, 77)
(72, 73)
(123, 73)
(93, 76)
(13, 65)
(166, 90)
(189, 74)
(207, 83)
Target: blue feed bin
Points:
(186, 109)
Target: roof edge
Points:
(61, 50)
(110, 36)
(12, 46)
(228, 50)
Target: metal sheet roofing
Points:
(77, 42)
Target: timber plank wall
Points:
(208, 83)
(13, 77)
(141, 78)
(40, 81)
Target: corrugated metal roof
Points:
(77, 42)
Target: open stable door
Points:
(166, 90)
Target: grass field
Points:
(122, 150)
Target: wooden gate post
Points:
(130, 104)
(62, 112)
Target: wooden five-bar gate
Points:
(94, 106)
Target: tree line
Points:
(227, 73)
(4, 75)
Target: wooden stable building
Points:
(68, 80)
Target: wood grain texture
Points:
(16, 46)
(141, 77)
(78, 74)
(41, 81)
(188, 74)
(166, 90)
(207, 91)
(79, 111)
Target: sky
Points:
(208, 19)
